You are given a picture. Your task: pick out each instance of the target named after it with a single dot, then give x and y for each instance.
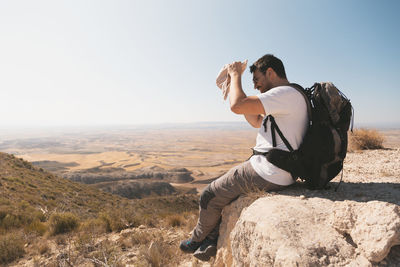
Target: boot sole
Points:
(206, 254)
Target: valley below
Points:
(136, 163)
(147, 161)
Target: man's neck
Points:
(281, 82)
(276, 83)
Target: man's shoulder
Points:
(284, 90)
(283, 95)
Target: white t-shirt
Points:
(289, 109)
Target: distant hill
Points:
(37, 206)
(22, 185)
(25, 188)
(137, 189)
(154, 173)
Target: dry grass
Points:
(106, 254)
(36, 227)
(362, 139)
(85, 243)
(94, 226)
(67, 219)
(175, 220)
(190, 220)
(160, 253)
(11, 247)
(141, 238)
(28, 196)
(61, 223)
(154, 254)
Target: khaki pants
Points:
(221, 192)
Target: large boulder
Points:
(287, 230)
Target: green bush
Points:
(11, 248)
(60, 223)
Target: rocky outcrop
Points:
(137, 189)
(98, 175)
(310, 230)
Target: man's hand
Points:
(235, 68)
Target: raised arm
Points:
(250, 106)
(254, 120)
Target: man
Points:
(288, 107)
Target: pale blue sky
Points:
(133, 62)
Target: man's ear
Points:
(271, 74)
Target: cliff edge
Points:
(357, 225)
(298, 231)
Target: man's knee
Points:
(206, 196)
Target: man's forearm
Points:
(236, 94)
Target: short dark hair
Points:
(269, 61)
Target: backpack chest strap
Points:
(255, 152)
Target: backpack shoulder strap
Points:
(274, 127)
(300, 89)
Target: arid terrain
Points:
(204, 152)
(199, 153)
(137, 163)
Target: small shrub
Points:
(60, 223)
(106, 254)
(36, 227)
(141, 237)
(160, 253)
(95, 226)
(175, 220)
(10, 221)
(11, 248)
(37, 215)
(106, 219)
(3, 214)
(362, 139)
(85, 243)
(154, 254)
(22, 216)
(150, 220)
(118, 220)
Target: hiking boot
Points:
(189, 246)
(207, 250)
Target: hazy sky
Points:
(134, 62)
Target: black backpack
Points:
(321, 154)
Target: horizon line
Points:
(155, 124)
